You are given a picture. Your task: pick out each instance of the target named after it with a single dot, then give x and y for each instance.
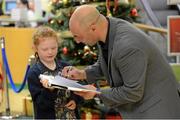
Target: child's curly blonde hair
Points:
(44, 32)
(41, 33)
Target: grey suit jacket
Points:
(142, 84)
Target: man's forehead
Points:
(74, 31)
(73, 22)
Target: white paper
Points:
(65, 83)
(173, 2)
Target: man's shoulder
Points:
(118, 20)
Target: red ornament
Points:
(65, 50)
(115, 6)
(134, 12)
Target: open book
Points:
(65, 83)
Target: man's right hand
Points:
(73, 73)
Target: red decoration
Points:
(134, 12)
(114, 117)
(115, 6)
(65, 50)
(1, 82)
(174, 35)
(108, 7)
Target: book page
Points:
(65, 83)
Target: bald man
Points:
(142, 83)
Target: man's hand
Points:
(86, 94)
(73, 73)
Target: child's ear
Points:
(34, 48)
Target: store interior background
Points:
(18, 45)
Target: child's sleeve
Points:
(41, 96)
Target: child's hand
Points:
(45, 84)
(71, 105)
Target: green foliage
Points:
(124, 11)
(77, 54)
(60, 21)
(176, 69)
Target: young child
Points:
(48, 103)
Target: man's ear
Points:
(93, 27)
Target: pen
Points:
(69, 69)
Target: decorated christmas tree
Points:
(69, 50)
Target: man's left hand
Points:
(87, 94)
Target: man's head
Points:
(84, 24)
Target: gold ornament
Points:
(52, 21)
(65, 1)
(86, 48)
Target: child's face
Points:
(47, 49)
